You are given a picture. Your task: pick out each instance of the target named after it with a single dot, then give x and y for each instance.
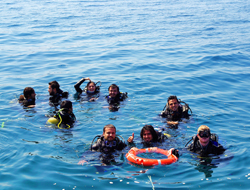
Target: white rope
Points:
(150, 179)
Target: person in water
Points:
(56, 94)
(149, 136)
(205, 143)
(91, 88)
(108, 143)
(65, 115)
(28, 99)
(115, 97)
(175, 111)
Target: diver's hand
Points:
(92, 99)
(81, 162)
(175, 152)
(131, 138)
(87, 78)
(172, 122)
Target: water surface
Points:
(197, 50)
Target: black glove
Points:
(175, 152)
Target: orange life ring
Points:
(131, 156)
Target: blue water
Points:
(197, 50)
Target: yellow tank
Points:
(53, 120)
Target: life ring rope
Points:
(133, 152)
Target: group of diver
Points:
(204, 142)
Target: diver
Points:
(56, 94)
(115, 97)
(65, 117)
(150, 137)
(107, 143)
(28, 99)
(205, 143)
(92, 90)
(174, 111)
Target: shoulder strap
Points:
(186, 106)
(98, 86)
(193, 138)
(165, 107)
(98, 137)
(119, 138)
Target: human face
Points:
(147, 136)
(173, 104)
(51, 91)
(113, 92)
(91, 87)
(204, 137)
(109, 134)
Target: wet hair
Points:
(108, 126)
(27, 92)
(173, 98)
(66, 104)
(203, 128)
(152, 131)
(114, 86)
(54, 84)
(90, 83)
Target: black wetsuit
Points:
(78, 84)
(28, 102)
(213, 147)
(66, 119)
(107, 147)
(114, 102)
(56, 98)
(182, 112)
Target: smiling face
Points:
(203, 140)
(109, 134)
(147, 136)
(204, 137)
(173, 105)
(91, 87)
(113, 91)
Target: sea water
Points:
(197, 50)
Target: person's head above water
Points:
(148, 134)
(66, 104)
(173, 103)
(113, 90)
(29, 93)
(203, 134)
(91, 87)
(109, 132)
(53, 87)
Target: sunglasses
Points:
(204, 133)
